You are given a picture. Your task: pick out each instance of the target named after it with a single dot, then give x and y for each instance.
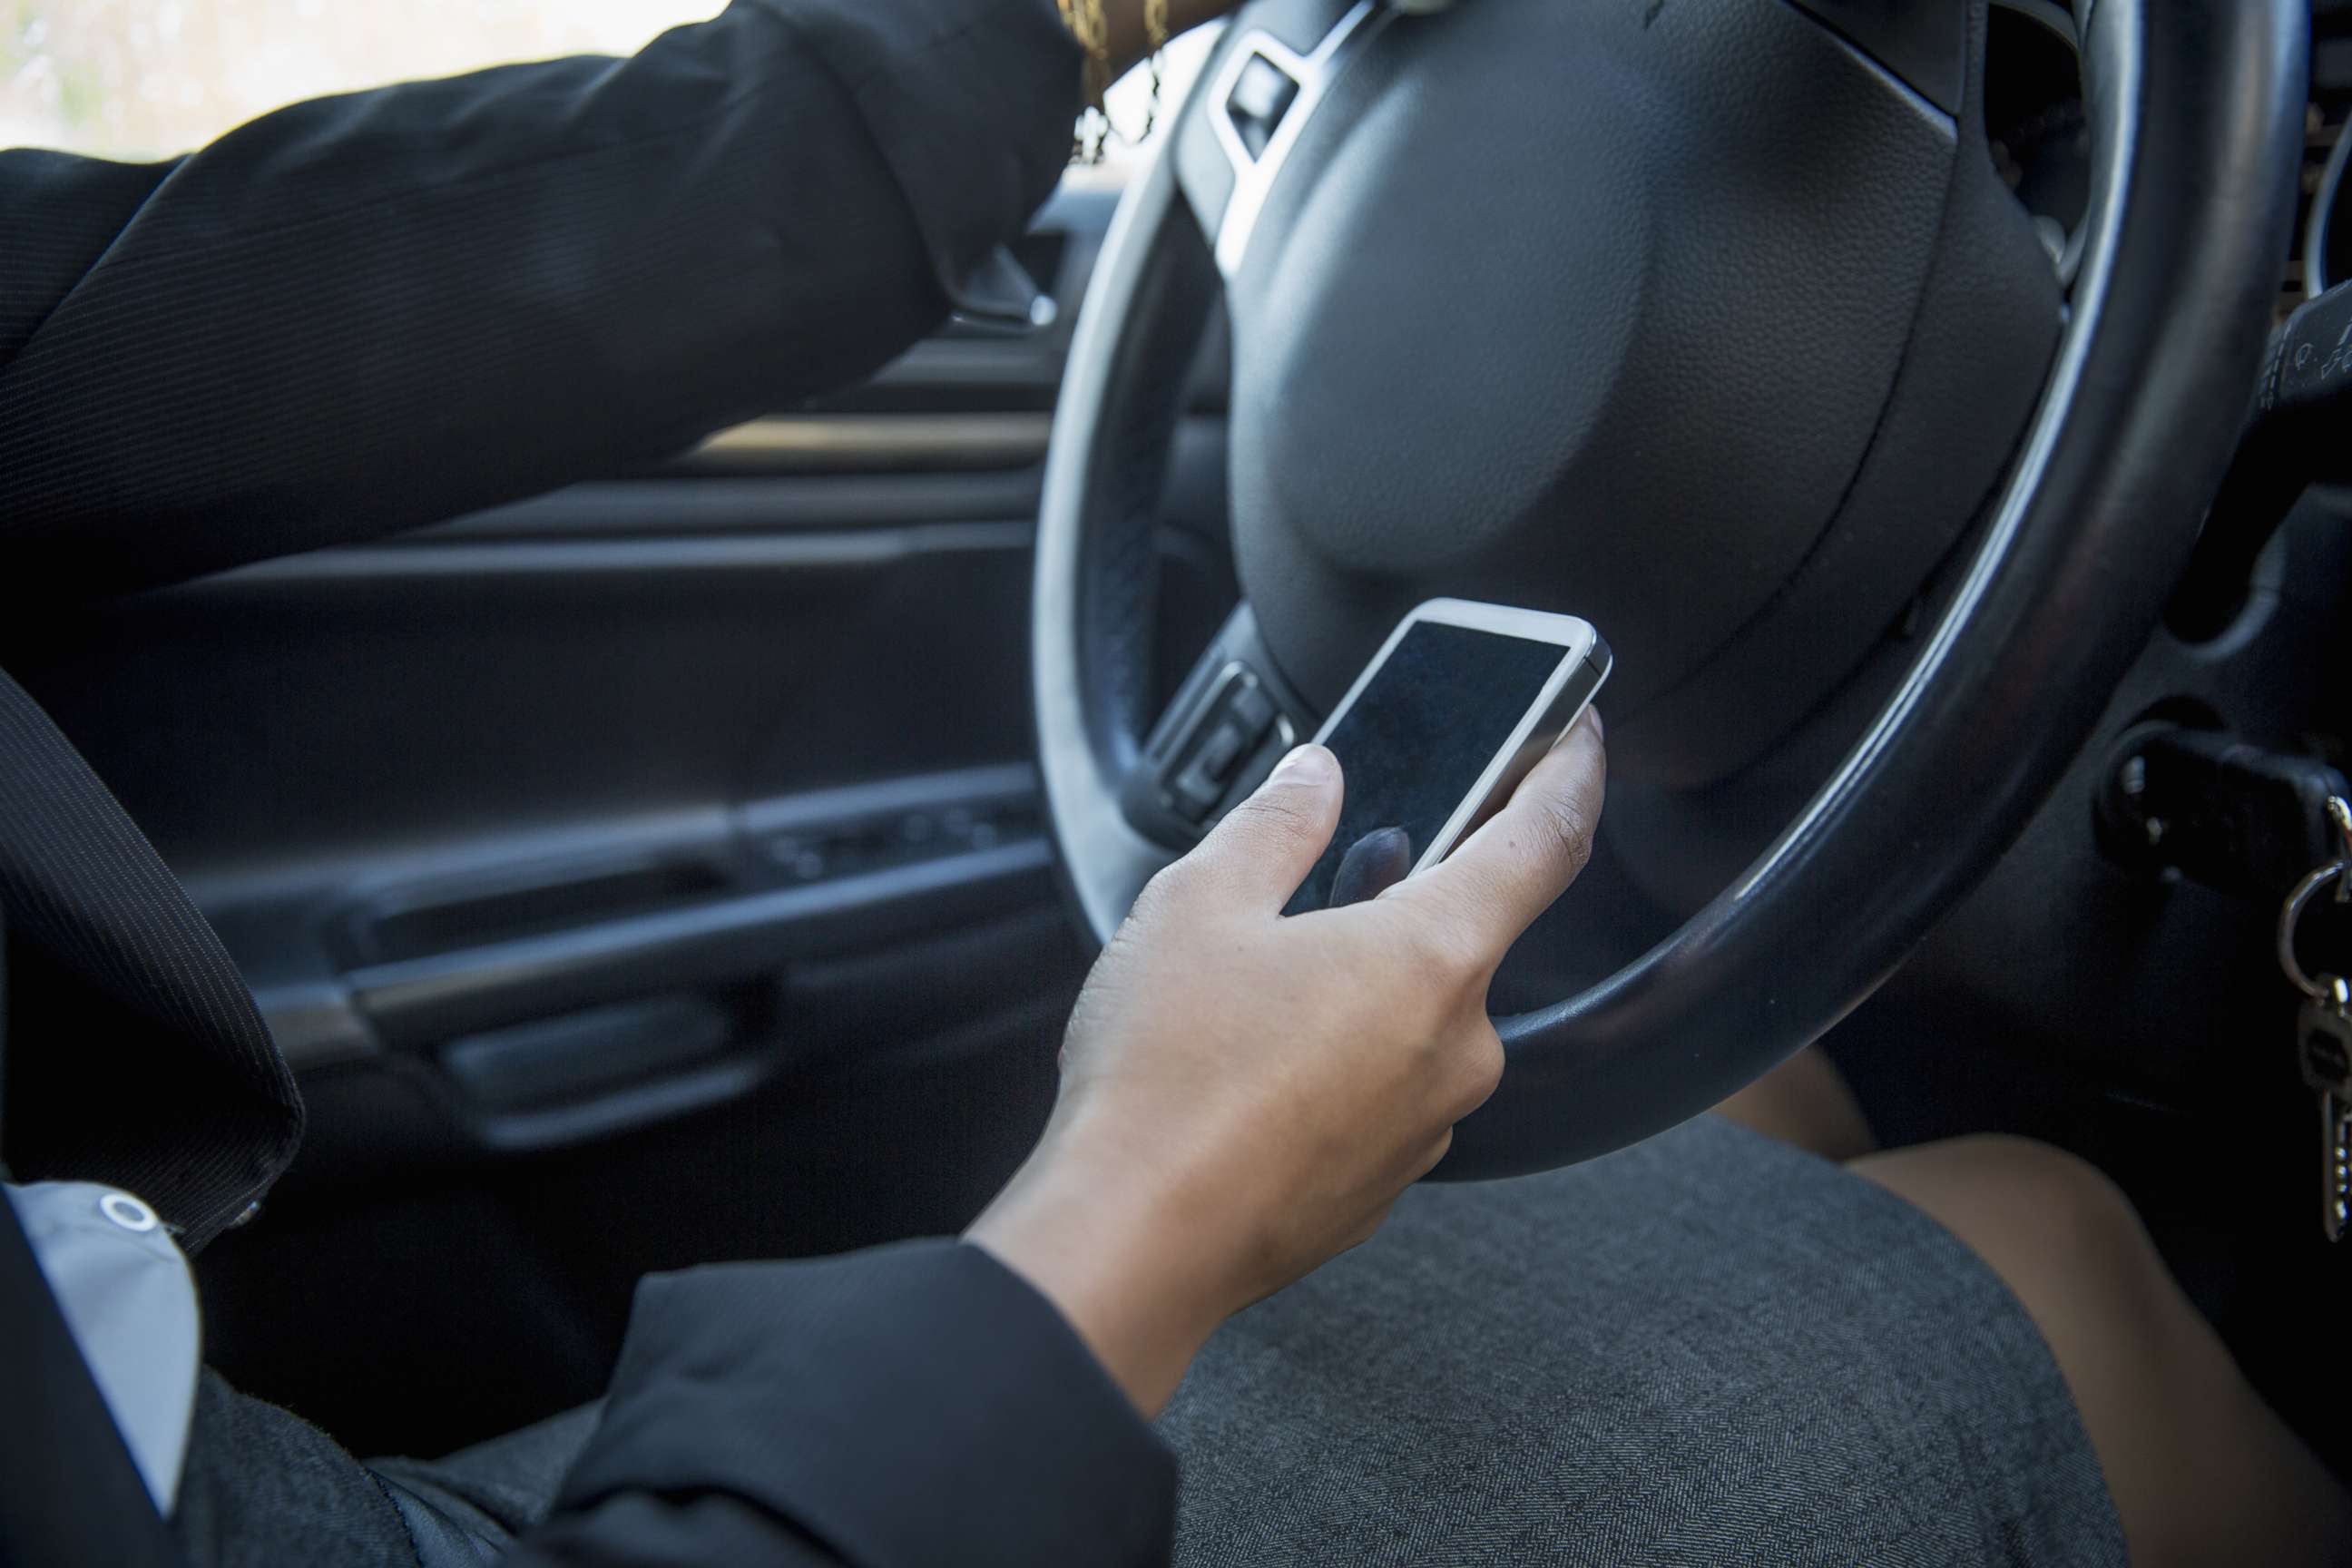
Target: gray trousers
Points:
(1709, 1349)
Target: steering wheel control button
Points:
(1220, 740)
(1252, 710)
(1218, 753)
(128, 1212)
(1261, 96)
(1219, 737)
(1205, 779)
(1196, 796)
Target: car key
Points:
(2323, 1032)
(2323, 1052)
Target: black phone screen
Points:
(1423, 729)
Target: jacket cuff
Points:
(913, 1405)
(971, 102)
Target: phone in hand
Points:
(1460, 702)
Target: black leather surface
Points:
(1923, 42)
(1137, 419)
(1985, 323)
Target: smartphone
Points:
(1459, 703)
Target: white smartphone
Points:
(1460, 702)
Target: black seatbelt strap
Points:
(4, 1046)
(138, 1056)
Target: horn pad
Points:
(1684, 317)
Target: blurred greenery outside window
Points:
(148, 78)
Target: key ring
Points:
(2291, 912)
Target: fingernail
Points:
(1308, 764)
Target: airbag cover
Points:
(1588, 307)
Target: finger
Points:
(1509, 872)
(1373, 863)
(1265, 846)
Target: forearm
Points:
(370, 312)
(1138, 1271)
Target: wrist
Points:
(1125, 1266)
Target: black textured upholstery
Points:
(141, 1061)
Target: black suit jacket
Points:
(374, 312)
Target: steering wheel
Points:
(1713, 323)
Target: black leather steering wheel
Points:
(1710, 323)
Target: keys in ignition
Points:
(2335, 1168)
(2324, 1039)
(2323, 1032)
(2324, 1051)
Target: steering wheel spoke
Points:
(1255, 102)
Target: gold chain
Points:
(1087, 24)
(1155, 38)
(1091, 28)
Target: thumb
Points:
(1510, 870)
(1265, 846)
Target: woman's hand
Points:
(1245, 1094)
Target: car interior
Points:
(701, 863)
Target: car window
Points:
(145, 79)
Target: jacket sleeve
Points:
(912, 1405)
(373, 311)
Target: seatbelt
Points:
(68, 1491)
(133, 1057)
(141, 1061)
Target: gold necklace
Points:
(1091, 28)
